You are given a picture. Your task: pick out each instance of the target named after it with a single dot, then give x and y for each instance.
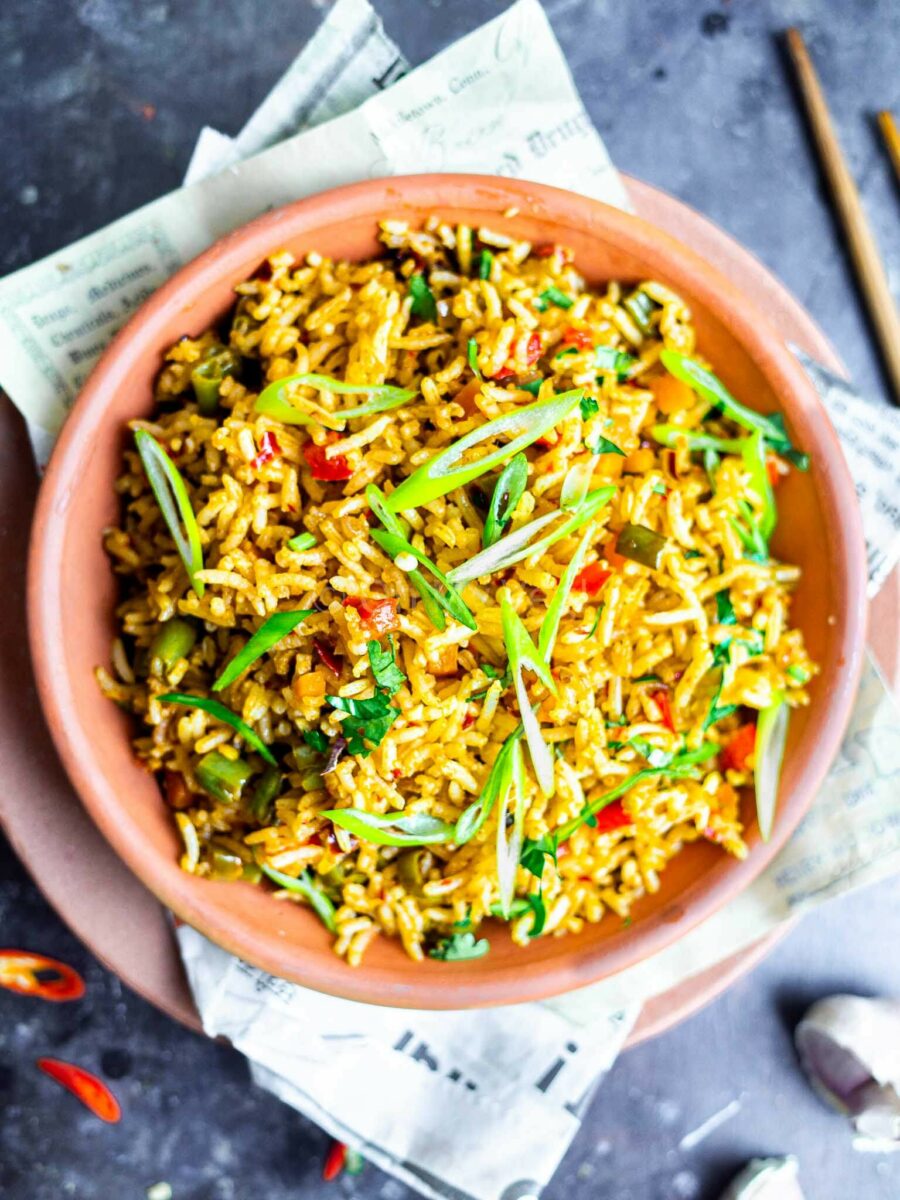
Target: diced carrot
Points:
(639, 462)
(739, 748)
(444, 662)
(671, 394)
(310, 686)
(611, 554)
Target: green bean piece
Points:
(207, 376)
(265, 793)
(223, 778)
(174, 639)
(641, 545)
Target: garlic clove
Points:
(766, 1179)
(850, 1049)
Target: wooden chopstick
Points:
(863, 250)
(891, 135)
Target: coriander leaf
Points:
(589, 407)
(534, 852)
(459, 947)
(602, 445)
(317, 739)
(653, 754)
(423, 302)
(387, 674)
(367, 721)
(608, 358)
(725, 609)
(537, 906)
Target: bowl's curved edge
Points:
(509, 985)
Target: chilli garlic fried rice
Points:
(325, 709)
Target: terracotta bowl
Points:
(72, 591)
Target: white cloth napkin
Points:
(464, 1104)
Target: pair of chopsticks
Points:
(863, 250)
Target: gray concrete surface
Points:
(100, 103)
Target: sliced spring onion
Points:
(509, 847)
(305, 885)
(508, 491)
(174, 639)
(577, 482)
(174, 504)
(771, 735)
(640, 308)
(641, 545)
(303, 541)
(449, 600)
(671, 435)
(207, 376)
(524, 655)
(553, 295)
(460, 947)
(557, 606)
(608, 358)
(753, 452)
(711, 464)
(589, 407)
(223, 778)
(533, 386)
(520, 544)
(423, 301)
(447, 470)
(748, 530)
(714, 392)
(397, 526)
(497, 783)
(273, 403)
(221, 713)
(472, 355)
(484, 264)
(393, 828)
(272, 630)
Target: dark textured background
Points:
(100, 103)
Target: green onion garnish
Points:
(449, 600)
(472, 355)
(671, 435)
(303, 541)
(208, 374)
(484, 264)
(273, 403)
(576, 483)
(305, 885)
(174, 504)
(533, 386)
(520, 544)
(393, 828)
(608, 358)
(221, 713)
(497, 782)
(510, 847)
(602, 445)
(272, 630)
(753, 453)
(508, 491)
(557, 606)
(771, 736)
(423, 301)
(524, 655)
(447, 470)
(553, 295)
(397, 526)
(798, 673)
(640, 307)
(459, 947)
(714, 392)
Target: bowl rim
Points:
(197, 906)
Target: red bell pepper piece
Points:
(34, 975)
(581, 338)
(533, 349)
(328, 470)
(504, 373)
(91, 1091)
(591, 579)
(268, 450)
(661, 700)
(612, 817)
(739, 748)
(379, 615)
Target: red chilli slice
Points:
(334, 1161)
(91, 1091)
(661, 700)
(591, 579)
(379, 615)
(612, 817)
(327, 656)
(268, 450)
(34, 975)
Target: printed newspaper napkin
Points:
(508, 1084)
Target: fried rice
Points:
(656, 656)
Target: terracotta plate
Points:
(102, 901)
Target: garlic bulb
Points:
(850, 1049)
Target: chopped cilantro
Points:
(317, 739)
(459, 947)
(608, 358)
(534, 852)
(387, 674)
(589, 407)
(370, 721)
(692, 554)
(533, 386)
(654, 756)
(602, 445)
(423, 302)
